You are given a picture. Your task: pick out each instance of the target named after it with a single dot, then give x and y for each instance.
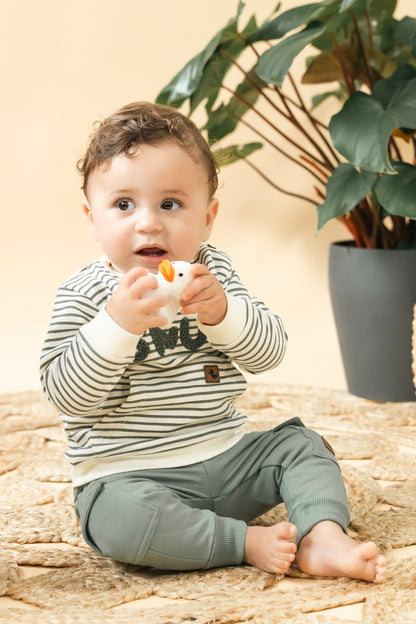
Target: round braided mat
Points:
(49, 575)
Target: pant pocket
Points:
(83, 501)
(121, 525)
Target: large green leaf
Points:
(231, 27)
(274, 64)
(346, 187)
(405, 32)
(346, 4)
(325, 68)
(381, 7)
(225, 118)
(214, 73)
(397, 193)
(383, 64)
(359, 134)
(388, 90)
(250, 28)
(232, 153)
(285, 22)
(362, 129)
(374, 8)
(212, 78)
(211, 82)
(186, 81)
(220, 124)
(340, 23)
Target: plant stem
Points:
(396, 148)
(315, 122)
(301, 128)
(380, 237)
(320, 194)
(315, 166)
(347, 222)
(368, 70)
(411, 228)
(300, 106)
(357, 218)
(370, 29)
(275, 186)
(348, 80)
(265, 119)
(280, 150)
(255, 85)
(285, 99)
(400, 228)
(375, 227)
(288, 115)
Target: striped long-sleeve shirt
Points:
(163, 399)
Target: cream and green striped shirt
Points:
(163, 399)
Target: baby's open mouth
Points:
(151, 252)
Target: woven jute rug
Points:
(49, 575)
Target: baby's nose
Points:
(147, 220)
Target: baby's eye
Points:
(125, 204)
(170, 204)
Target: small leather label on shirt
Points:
(328, 446)
(212, 373)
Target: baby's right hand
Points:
(127, 307)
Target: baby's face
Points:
(151, 206)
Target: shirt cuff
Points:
(108, 338)
(231, 327)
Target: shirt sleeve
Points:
(251, 334)
(84, 355)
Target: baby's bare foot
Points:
(327, 551)
(270, 548)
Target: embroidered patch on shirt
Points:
(212, 373)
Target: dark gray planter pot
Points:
(373, 292)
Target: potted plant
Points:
(362, 166)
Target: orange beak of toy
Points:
(167, 270)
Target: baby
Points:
(163, 474)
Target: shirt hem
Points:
(94, 468)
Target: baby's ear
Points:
(211, 215)
(88, 213)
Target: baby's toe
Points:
(285, 530)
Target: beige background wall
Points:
(65, 64)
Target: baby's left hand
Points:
(204, 296)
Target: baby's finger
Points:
(149, 304)
(142, 284)
(198, 285)
(132, 276)
(199, 269)
(157, 321)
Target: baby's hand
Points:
(204, 296)
(127, 307)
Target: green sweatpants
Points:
(196, 516)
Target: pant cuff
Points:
(305, 516)
(229, 542)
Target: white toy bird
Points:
(173, 277)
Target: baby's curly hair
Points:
(145, 123)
